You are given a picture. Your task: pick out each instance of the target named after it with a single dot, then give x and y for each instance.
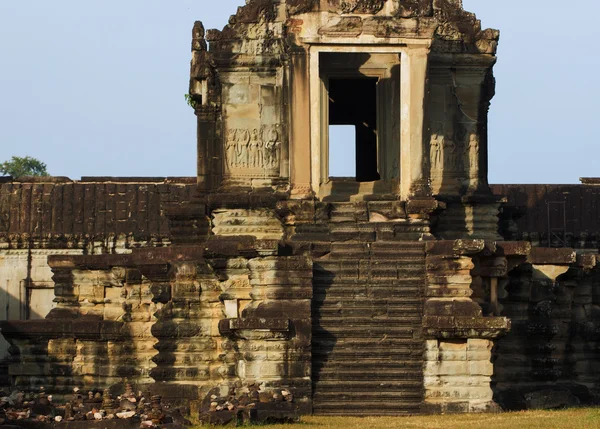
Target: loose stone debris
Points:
(90, 409)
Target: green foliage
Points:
(190, 101)
(19, 167)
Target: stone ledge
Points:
(81, 328)
(465, 327)
(255, 328)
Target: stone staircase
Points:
(367, 339)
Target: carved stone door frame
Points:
(413, 63)
(379, 73)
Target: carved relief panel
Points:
(252, 119)
(253, 152)
(455, 142)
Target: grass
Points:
(579, 418)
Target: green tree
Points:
(19, 167)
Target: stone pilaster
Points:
(458, 366)
(414, 180)
(300, 137)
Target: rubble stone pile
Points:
(91, 408)
(251, 404)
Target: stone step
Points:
(385, 356)
(413, 393)
(366, 275)
(381, 293)
(398, 258)
(370, 366)
(335, 265)
(326, 345)
(333, 314)
(342, 331)
(340, 374)
(338, 282)
(359, 345)
(411, 285)
(383, 313)
(400, 245)
(366, 408)
(365, 385)
(371, 303)
(367, 323)
(385, 348)
(349, 280)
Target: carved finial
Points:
(198, 32)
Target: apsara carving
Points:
(254, 149)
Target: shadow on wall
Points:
(550, 357)
(17, 308)
(569, 214)
(323, 340)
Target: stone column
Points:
(300, 125)
(458, 367)
(414, 180)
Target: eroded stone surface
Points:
(265, 288)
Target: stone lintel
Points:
(455, 247)
(513, 248)
(552, 256)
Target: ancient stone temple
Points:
(272, 286)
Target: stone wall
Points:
(458, 366)
(527, 216)
(41, 217)
(549, 359)
(458, 374)
(264, 288)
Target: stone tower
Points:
(414, 78)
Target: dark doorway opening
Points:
(354, 102)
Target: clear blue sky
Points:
(97, 87)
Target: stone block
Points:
(454, 346)
(479, 355)
(114, 294)
(247, 111)
(453, 355)
(481, 368)
(452, 393)
(431, 345)
(113, 313)
(484, 407)
(447, 368)
(269, 115)
(550, 399)
(432, 355)
(476, 344)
